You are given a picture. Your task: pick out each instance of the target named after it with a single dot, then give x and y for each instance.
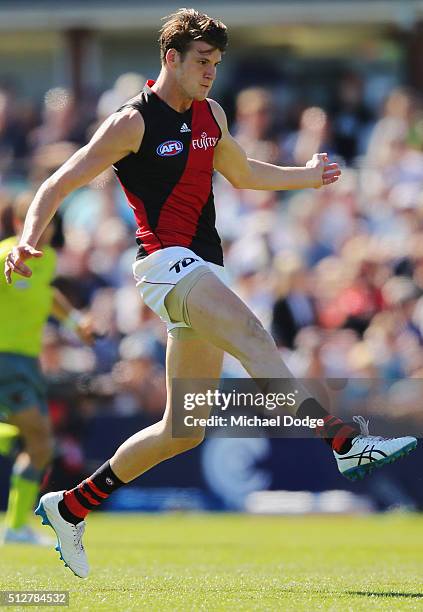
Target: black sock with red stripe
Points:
(89, 494)
(335, 431)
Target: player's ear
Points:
(172, 56)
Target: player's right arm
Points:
(120, 135)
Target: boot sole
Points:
(359, 472)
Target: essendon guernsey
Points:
(168, 182)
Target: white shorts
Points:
(159, 272)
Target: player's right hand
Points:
(15, 261)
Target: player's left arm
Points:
(80, 323)
(231, 160)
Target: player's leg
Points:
(210, 308)
(35, 431)
(221, 317)
(187, 357)
(190, 357)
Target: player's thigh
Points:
(198, 363)
(220, 316)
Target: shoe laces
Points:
(364, 429)
(78, 532)
(363, 424)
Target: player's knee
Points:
(258, 339)
(255, 329)
(182, 445)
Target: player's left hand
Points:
(328, 172)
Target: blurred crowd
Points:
(335, 274)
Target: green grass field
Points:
(234, 562)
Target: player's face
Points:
(196, 71)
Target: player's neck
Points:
(168, 90)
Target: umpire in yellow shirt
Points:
(24, 309)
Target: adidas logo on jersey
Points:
(184, 128)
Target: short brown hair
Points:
(187, 25)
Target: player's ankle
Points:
(337, 434)
(342, 446)
(67, 515)
(89, 494)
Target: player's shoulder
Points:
(219, 115)
(217, 110)
(124, 129)
(127, 118)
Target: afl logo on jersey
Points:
(170, 148)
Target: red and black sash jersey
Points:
(168, 182)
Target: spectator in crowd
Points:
(314, 131)
(13, 139)
(294, 307)
(350, 118)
